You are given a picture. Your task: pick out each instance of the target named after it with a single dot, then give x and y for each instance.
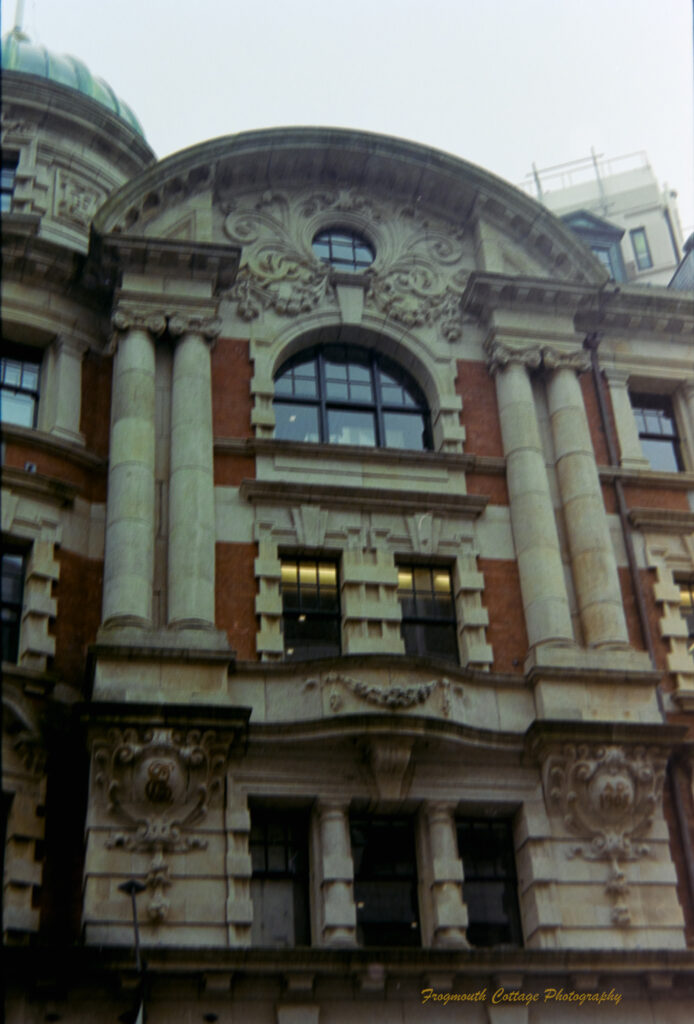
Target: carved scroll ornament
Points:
(159, 781)
(608, 796)
(418, 277)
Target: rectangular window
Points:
(428, 611)
(8, 177)
(385, 881)
(490, 887)
(655, 420)
(310, 608)
(13, 570)
(642, 253)
(19, 387)
(279, 883)
(687, 611)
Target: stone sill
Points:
(373, 498)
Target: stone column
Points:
(540, 568)
(337, 914)
(67, 390)
(593, 560)
(688, 393)
(191, 482)
(630, 452)
(129, 556)
(449, 917)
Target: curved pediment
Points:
(431, 217)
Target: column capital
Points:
(554, 359)
(180, 324)
(616, 376)
(501, 356)
(66, 343)
(126, 318)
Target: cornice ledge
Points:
(484, 290)
(543, 734)
(279, 492)
(206, 261)
(184, 716)
(54, 445)
(648, 478)
(662, 519)
(273, 446)
(594, 673)
(37, 485)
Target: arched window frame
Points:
(380, 405)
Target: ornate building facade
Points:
(347, 586)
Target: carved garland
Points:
(392, 698)
(159, 781)
(608, 795)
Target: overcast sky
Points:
(502, 83)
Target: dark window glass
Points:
(604, 254)
(7, 180)
(428, 611)
(19, 389)
(279, 883)
(343, 394)
(13, 568)
(310, 608)
(490, 886)
(639, 244)
(343, 249)
(385, 881)
(687, 611)
(657, 429)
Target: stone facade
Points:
(157, 719)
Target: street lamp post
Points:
(131, 888)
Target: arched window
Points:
(343, 249)
(343, 394)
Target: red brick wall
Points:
(78, 594)
(597, 434)
(95, 416)
(656, 497)
(231, 389)
(91, 484)
(235, 597)
(502, 599)
(230, 470)
(480, 415)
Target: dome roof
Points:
(20, 54)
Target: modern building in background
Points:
(621, 212)
(347, 585)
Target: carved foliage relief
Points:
(607, 795)
(417, 278)
(159, 783)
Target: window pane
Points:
(404, 430)
(17, 409)
(661, 455)
(351, 427)
(12, 372)
(296, 422)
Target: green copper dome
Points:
(20, 54)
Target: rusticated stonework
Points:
(607, 795)
(417, 278)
